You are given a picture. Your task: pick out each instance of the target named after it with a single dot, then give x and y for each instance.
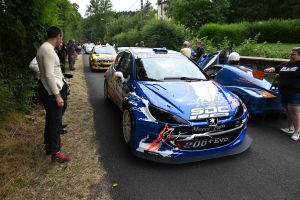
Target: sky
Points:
(118, 5)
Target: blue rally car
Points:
(173, 112)
(259, 95)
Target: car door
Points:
(111, 78)
(124, 67)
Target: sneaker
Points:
(47, 148)
(64, 125)
(296, 136)
(63, 132)
(287, 130)
(59, 157)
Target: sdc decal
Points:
(201, 113)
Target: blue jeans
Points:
(290, 98)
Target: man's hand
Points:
(59, 101)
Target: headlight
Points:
(239, 111)
(165, 116)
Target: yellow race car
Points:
(102, 57)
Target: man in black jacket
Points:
(199, 51)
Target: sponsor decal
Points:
(154, 55)
(210, 112)
(206, 103)
(151, 152)
(205, 142)
(286, 69)
(205, 129)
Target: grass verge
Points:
(27, 173)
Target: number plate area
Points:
(203, 143)
(206, 142)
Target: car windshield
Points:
(90, 46)
(166, 67)
(105, 50)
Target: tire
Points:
(105, 89)
(91, 66)
(127, 125)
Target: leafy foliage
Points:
(23, 27)
(161, 33)
(195, 13)
(271, 31)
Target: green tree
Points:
(162, 33)
(250, 10)
(195, 13)
(147, 6)
(99, 14)
(23, 26)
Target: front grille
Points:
(203, 137)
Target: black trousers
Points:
(53, 122)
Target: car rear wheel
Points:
(127, 122)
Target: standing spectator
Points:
(34, 66)
(199, 51)
(142, 44)
(136, 44)
(186, 50)
(71, 56)
(52, 91)
(79, 48)
(289, 89)
(62, 54)
(192, 51)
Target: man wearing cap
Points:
(142, 44)
(186, 50)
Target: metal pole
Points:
(142, 10)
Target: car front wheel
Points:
(127, 124)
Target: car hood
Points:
(181, 97)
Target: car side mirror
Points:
(120, 76)
(212, 76)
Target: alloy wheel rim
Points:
(126, 126)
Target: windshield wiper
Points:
(186, 78)
(150, 79)
(192, 79)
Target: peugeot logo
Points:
(212, 123)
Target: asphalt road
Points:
(269, 169)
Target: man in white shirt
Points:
(186, 50)
(52, 91)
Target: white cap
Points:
(234, 56)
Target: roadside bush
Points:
(251, 47)
(274, 30)
(271, 31)
(235, 33)
(16, 91)
(162, 33)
